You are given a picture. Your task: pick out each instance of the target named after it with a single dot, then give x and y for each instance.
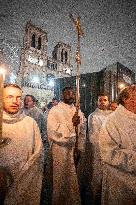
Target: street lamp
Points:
(51, 83)
(121, 86)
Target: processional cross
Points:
(78, 57)
(78, 61)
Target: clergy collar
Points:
(13, 118)
(67, 105)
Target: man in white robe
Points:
(62, 137)
(33, 111)
(95, 121)
(117, 143)
(113, 106)
(21, 157)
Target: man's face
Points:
(130, 102)
(69, 97)
(113, 106)
(103, 102)
(54, 102)
(28, 102)
(11, 100)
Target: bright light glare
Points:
(40, 62)
(12, 78)
(121, 85)
(68, 71)
(51, 83)
(3, 72)
(35, 79)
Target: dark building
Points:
(109, 80)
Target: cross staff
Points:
(78, 61)
(78, 57)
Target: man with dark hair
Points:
(117, 143)
(33, 111)
(95, 121)
(61, 123)
(21, 157)
(113, 106)
(55, 101)
(12, 85)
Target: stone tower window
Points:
(39, 43)
(66, 56)
(33, 41)
(55, 56)
(62, 55)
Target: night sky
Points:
(109, 29)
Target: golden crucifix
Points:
(78, 61)
(78, 56)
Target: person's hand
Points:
(76, 119)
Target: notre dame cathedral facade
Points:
(37, 70)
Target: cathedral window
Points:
(52, 66)
(66, 56)
(55, 66)
(62, 55)
(39, 43)
(49, 64)
(33, 41)
(55, 56)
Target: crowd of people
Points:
(55, 156)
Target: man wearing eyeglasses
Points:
(21, 157)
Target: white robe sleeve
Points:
(112, 151)
(60, 131)
(36, 152)
(29, 180)
(82, 133)
(93, 128)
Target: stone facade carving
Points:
(37, 69)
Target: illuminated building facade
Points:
(37, 70)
